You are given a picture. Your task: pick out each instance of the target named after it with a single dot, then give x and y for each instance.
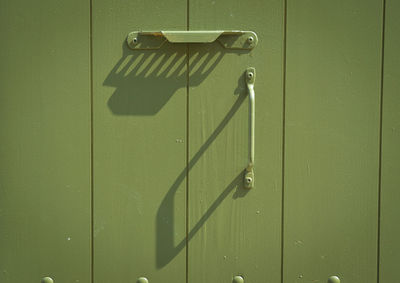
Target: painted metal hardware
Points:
(238, 279)
(233, 39)
(47, 280)
(249, 174)
(333, 279)
(142, 280)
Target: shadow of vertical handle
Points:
(249, 173)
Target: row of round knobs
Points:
(236, 279)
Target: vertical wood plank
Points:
(332, 140)
(390, 193)
(139, 144)
(233, 231)
(44, 141)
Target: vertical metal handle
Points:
(249, 174)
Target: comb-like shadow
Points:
(145, 80)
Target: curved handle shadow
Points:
(165, 247)
(144, 81)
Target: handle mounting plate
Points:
(145, 40)
(250, 76)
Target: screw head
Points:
(238, 279)
(250, 39)
(250, 75)
(135, 40)
(142, 280)
(248, 180)
(47, 280)
(333, 279)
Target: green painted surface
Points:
(390, 193)
(44, 141)
(139, 144)
(171, 143)
(234, 231)
(332, 140)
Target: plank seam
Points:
(187, 147)
(91, 143)
(380, 139)
(283, 134)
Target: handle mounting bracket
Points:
(250, 77)
(229, 39)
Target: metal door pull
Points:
(230, 39)
(249, 173)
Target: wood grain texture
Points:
(139, 144)
(171, 142)
(390, 193)
(44, 141)
(233, 231)
(332, 140)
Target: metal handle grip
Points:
(249, 174)
(230, 39)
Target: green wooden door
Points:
(45, 210)
(332, 140)
(139, 103)
(171, 144)
(233, 231)
(118, 165)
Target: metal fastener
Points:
(142, 280)
(250, 39)
(238, 279)
(333, 279)
(248, 180)
(47, 280)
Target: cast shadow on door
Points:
(145, 81)
(165, 243)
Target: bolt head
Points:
(250, 39)
(47, 280)
(333, 279)
(238, 279)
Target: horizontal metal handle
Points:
(231, 39)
